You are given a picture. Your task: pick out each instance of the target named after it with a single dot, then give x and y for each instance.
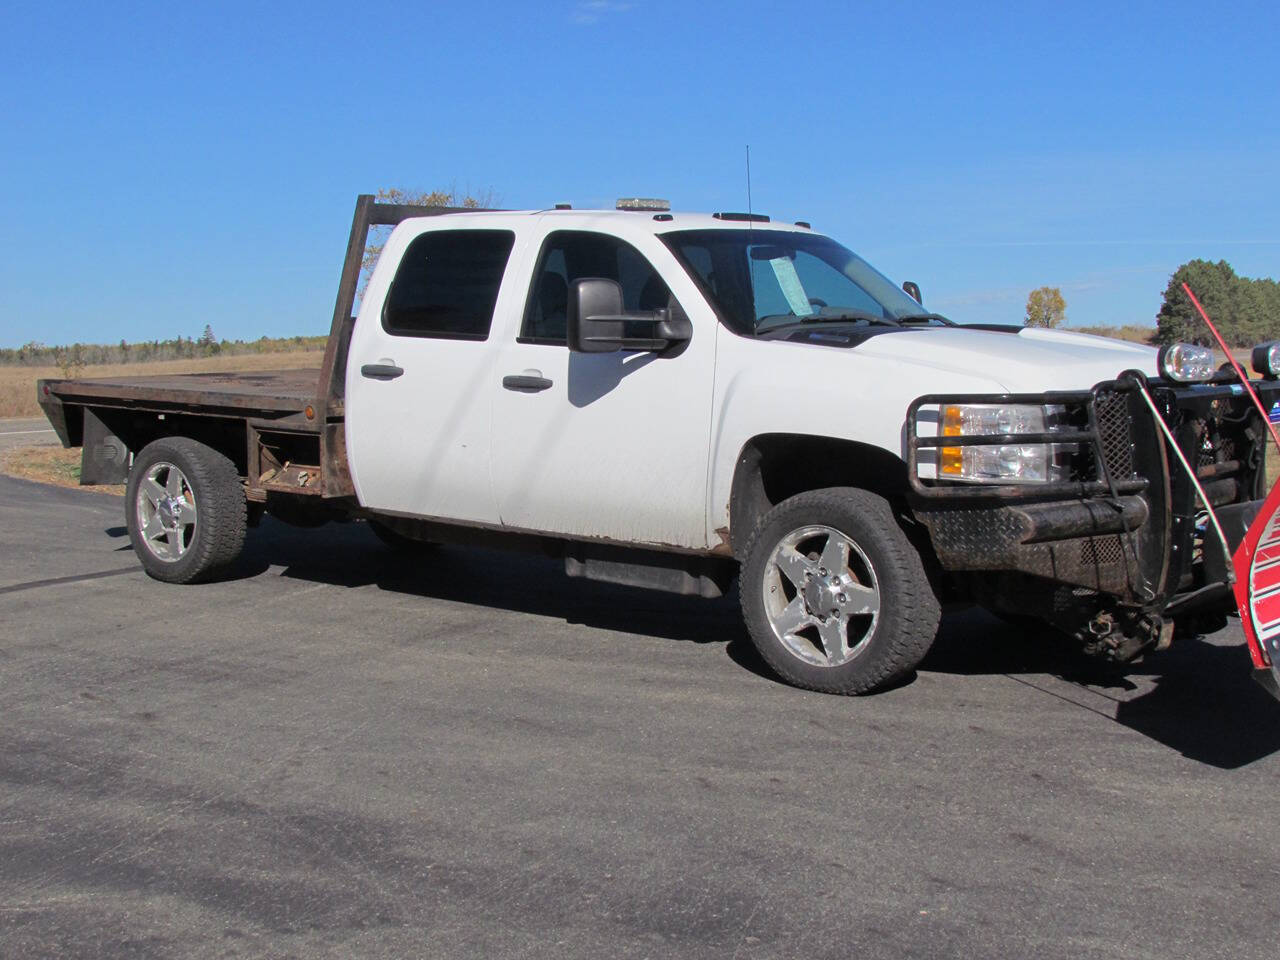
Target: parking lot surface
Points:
(340, 753)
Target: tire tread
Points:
(894, 652)
(222, 517)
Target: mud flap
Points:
(1257, 589)
(104, 457)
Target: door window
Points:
(447, 284)
(569, 255)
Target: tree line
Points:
(79, 355)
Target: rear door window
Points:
(447, 284)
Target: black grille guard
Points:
(1114, 476)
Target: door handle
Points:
(381, 371)
(525, 383)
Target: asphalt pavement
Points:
(26, 433)
(336, 752)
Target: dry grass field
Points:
(50, 465)
(1134, 333)
(18, 384)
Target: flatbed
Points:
(269, 391)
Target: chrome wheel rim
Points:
(821, 596)
(166, 512)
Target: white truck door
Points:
(419, 374)
(607, 445)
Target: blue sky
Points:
(167, 166)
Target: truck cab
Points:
(487, 416)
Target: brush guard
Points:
(1123, 545)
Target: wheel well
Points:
(773, 467)
(137, 428)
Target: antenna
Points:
(751, 267)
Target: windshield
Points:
(763, 280)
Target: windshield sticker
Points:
(792, 289)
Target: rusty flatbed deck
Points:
(273, 392)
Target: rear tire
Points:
(185, 510)
(835, 597)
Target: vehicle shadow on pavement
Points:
(1206, 705)
(1197, 697)
(350, 555)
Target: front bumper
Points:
(1128, 533)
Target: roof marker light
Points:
(643, 204)
(746, 217)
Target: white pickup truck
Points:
(671, 400)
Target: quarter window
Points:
(447, 284)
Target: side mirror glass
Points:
(912, 290)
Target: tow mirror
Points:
(597, 323)
(594, 316)
(913, 291)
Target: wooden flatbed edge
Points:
(268, 391)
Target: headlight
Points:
(1005, 462)
(1185, 362)
(1266, 359)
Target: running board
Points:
(670, 572)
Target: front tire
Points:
(185, 510)
(835, 597)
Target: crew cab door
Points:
(610, 445)
(419, 388)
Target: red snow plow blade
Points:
(1256, 562)
(1257, 589)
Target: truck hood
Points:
(1028, 361)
